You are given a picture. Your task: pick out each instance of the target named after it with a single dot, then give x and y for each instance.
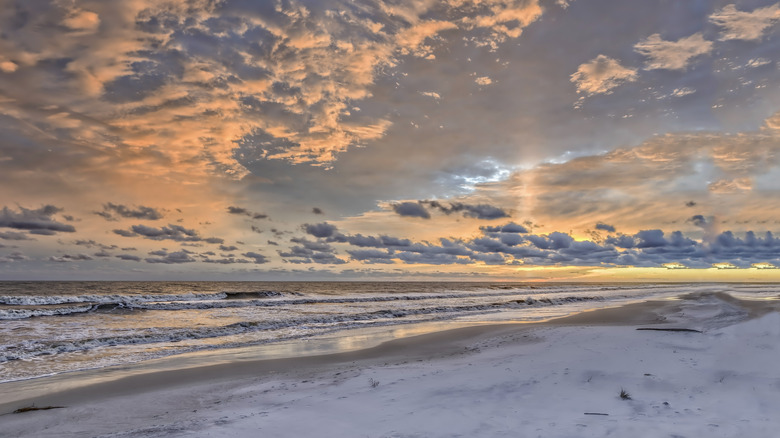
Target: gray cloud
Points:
(605, 227)
(311, 252)
(323, 229)
(479, 211)
(140, 212)
(508, 228)
(418, 209)
(70, 258)
(244, 212)
(171, 232)
(256, 257)
(128, 257)
(125, 233)
(171, 258)
(35, 221)
(411, 209)
(372, 256)
(91, 243)
(238, 210)
(512, 244)
(13, 235)
(698, 220)
(13, 257)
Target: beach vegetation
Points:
(624, 395)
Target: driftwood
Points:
(671, 329)
(35, 408)
(595, 413)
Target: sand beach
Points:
(562, 378)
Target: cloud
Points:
(741, 25)
(81, 20)
(483, 81)
(256, 257)
(13, 235)
(173, 88)
(171, 258)
(411, 209)
(177, 233)
(563, 3)
(411, 40)
(773, 122)
(601, 75)
(478, 211)
(647, 186)
(244, 212)
(758, 62)
(513, 244)
(605, 227)
(681, 92)
(35, 221)
(420, 209)
(8, 66)
(736, 185)
(698, 220)
(91, 243)
(672, 55)
(238, 210)
(128, 257)
(139, 212)
(431, 94)
(323, 229)
(13, 257)
(65, 258)
(173, 232)
(371, 256)
(223, 261)
(311, 252)
(508, 228)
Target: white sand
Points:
(535, 380)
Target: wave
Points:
(39, 300)
(250, 295)
(222, 300)
(311, 324)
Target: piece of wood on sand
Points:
(671, 329)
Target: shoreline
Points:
(179, 370)
(221, 382)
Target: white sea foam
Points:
(63, 327)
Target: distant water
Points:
(54, 327)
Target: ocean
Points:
(49, 328)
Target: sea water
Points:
(48, 328)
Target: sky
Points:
(522, 140)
